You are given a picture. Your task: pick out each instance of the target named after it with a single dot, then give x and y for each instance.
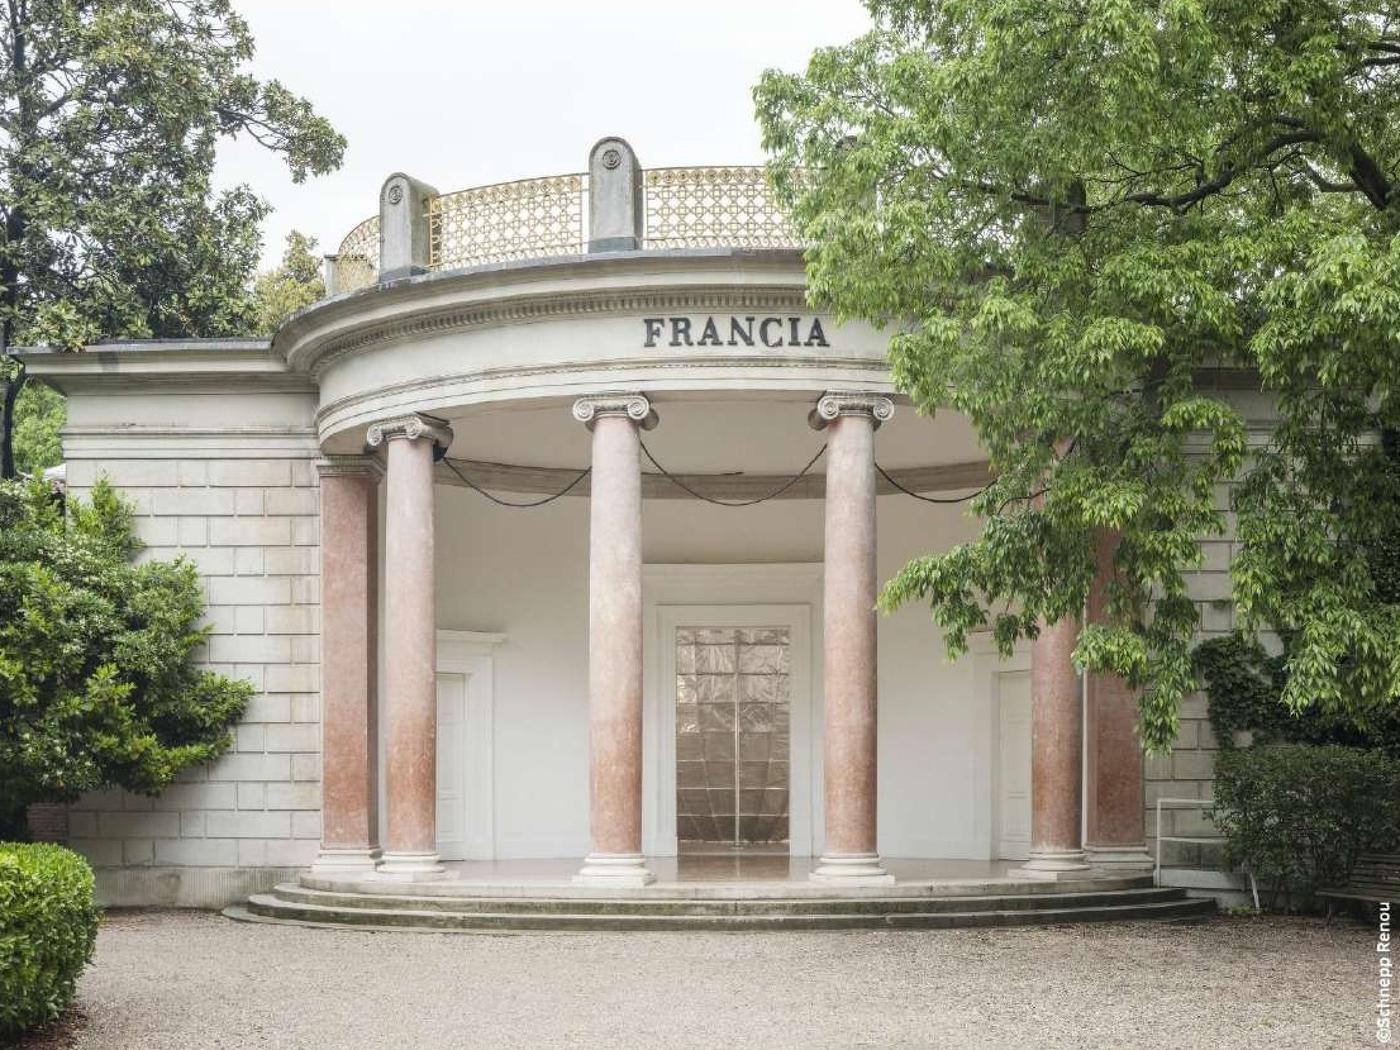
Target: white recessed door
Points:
(451, 765)
(465, 746)
(1013, 690)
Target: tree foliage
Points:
(296, 283)
(98, 681)
(111, 112)
(40, 413)
(1103, 227)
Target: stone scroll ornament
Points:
(831, 406)
(634, 406)
(411, 427)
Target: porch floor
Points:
(725, 866)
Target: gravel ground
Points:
(195, 980)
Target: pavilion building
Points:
(551, 541)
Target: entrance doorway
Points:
(731, 756)
(733, 697)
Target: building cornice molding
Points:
(527, 309)
(834, 404)
(350, 467)
(189, 366)
(96, 441)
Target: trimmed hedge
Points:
(1299, 815)
(48, 926)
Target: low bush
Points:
(48, 926)
(1299, 815)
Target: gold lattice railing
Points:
(357, 262)
(712, 207)
(529, 219)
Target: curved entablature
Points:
(679, 324)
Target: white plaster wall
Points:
(523, 573)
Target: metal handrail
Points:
(1201, 803)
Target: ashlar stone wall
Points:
(244, 509)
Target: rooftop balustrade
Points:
(614, 205)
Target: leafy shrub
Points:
(1300, 815)
(99, 683)
(48, 926)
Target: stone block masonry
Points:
(246, 513)
(1189, 771)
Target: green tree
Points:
(296, 283)
(111, 112)
(1101, 224)
(98, 681)
(40, 413)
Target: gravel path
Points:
(194, 980)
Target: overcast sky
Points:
(465, 92)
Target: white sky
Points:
(477, 91)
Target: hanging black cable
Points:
(929, 499)
(789, 483)
(509, 503)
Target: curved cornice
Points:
(524, 310)
(521, 292)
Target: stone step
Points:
(295, 894)
(268, 907)
(720, 889)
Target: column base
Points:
(1120, 860)
(335, 861)
(614, 869)
(852, 869)
(410, 867)
(1053, 864)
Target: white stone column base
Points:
(860, 869)
(410, 867)
(614, 869)
(1120, 860)
(1052, 865)
(332, 862)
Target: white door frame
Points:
(783, 595)
(472, 655)
(988, 667)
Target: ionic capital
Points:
(634, 406)
(412, 427)
(837, 403)
(349, 467)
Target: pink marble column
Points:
(349, 672)
(850, 856)
(1057, 755)
(410, 644)
(1114, 833)
(615, 639)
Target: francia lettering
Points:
(771, 332)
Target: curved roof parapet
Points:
(540, 218)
